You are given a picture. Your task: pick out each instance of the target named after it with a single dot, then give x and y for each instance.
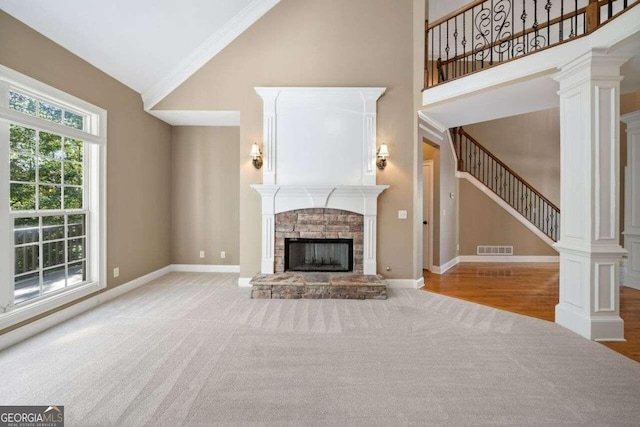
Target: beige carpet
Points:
(192, 349)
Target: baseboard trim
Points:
(205, 268)
(405, 283)
(507, 259)
(632, 285)
(33, 328)
(243, 282)
(441, 269)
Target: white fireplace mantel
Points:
(362, 199)
(319, 151)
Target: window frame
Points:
(94, 137)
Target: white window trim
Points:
(95, 135)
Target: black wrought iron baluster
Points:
(548, 8)
(455, 46)
(473, 32)
(464, 42)
(525, 37)
(439, 48)
(610, 9)
(513, 31)
(491, 40)
(574, 30)
(561, 19)
(535, 25)
(446, 49)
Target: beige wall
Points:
(483, 222)
(204, 195)
(138, 166)
(321, 43)
(529, 144)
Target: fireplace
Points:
(330, 255)
(314, 226)
(319, 173)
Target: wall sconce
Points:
(257, 156)
(383, 153)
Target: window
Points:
(52, 199)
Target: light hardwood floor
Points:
(529, 289)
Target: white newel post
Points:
(589, 247)
(632, 200)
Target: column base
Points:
(609, 328)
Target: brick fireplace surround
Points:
(320, 223)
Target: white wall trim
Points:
(33, 328)
(508, 259)
(206, 51)
(198, 117)
(243, 282)
(441, 269)
(504, 205)
(205, 268)
(405, 283)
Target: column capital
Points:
(593, 65)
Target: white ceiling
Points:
(138, 42)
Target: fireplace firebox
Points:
(326, 255)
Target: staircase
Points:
(483, 169)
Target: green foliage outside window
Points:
(46, 170)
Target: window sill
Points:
(36, 308)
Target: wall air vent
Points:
(495, 250)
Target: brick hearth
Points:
(294, 285)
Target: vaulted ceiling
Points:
(149, 45)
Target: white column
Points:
(589, 247)
(268, 193)
(632, 200)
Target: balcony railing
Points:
(490, 32)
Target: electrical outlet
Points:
(116, 272)
(402, 214)
(201, 254)
(444, 212)
(223, 254)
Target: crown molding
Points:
(206, 51)
(197, 117)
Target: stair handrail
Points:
(461, 131)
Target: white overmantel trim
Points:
(369, 97)
(354, 198)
